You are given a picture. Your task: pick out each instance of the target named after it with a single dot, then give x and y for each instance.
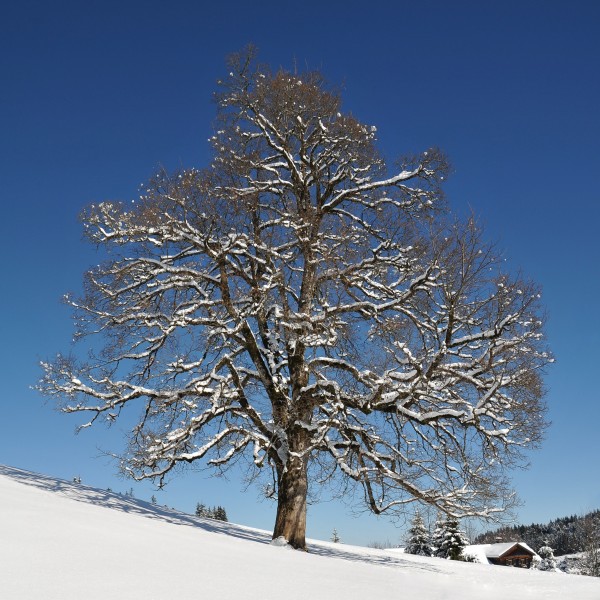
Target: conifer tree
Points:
(220, 514)
(451, 540)
(419, 541)
(548, 562)
(437, 538)
(590, 564)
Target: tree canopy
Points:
(302, 304)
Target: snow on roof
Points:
(482, 552)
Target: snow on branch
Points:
(298, 302)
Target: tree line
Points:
(216, 512)
(575, 535)
(447, 541)
(566, 535)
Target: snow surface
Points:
(67, 541)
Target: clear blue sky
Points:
(94, 96)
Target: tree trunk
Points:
(291, 504)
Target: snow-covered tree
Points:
(220, 514)
(216, 512)
(449, 540)
(548, 561)
(590, 530)
(335, 537)
(567, 535)
(590, 562)
(419, 541)
(438, 535)
(304, 305)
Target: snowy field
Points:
(64, 541)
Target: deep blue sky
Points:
(95, 96)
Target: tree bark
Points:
(291, 503)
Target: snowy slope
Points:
(70, 542)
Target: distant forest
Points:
(567, 535)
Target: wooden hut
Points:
(508, 554)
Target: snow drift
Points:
(67, 541)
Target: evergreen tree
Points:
(437, 538)
(590, 562)
(450, 540)
(548, 562)
(219, 514)
(566, 535)
(419, 541)
(216, 512)
(153, 499)
(335, 537)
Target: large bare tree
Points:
(303, 305)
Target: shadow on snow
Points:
(83, 493)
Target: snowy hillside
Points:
(66, 541)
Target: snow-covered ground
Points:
(66, 541)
